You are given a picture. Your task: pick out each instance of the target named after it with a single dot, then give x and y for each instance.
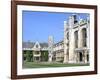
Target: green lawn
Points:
(47, 65)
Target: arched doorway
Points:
(80, 56)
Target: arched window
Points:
(76, 39)
(68, 35)
(84, 36)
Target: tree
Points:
(29, 56)
(44, 55)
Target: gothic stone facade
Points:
(74, 47)
(76, 40)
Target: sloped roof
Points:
(31, 44)
(43, 45)
(59, 43)
(28, 44)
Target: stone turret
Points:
(69, 39)
(72, 20)
(50, 46)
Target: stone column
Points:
(88, 36)
(71, 46)
(75, 57)
(71, 39)
(65, 43)
(65, 56)
(50, 47)
(85, 56)
(88, 32)
(50, 57)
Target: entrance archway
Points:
(80, 56)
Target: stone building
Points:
(76, 40)
(35, 51)
(74, 47)
(58, 51)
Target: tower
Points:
(50, 48)
(66, 37)
(71, 42)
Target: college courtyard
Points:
(72, 50)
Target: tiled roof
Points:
(28, 44)
(31, 45)
(43, 45)
(59, 43)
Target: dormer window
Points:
(37, 45)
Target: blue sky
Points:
(37, 26)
